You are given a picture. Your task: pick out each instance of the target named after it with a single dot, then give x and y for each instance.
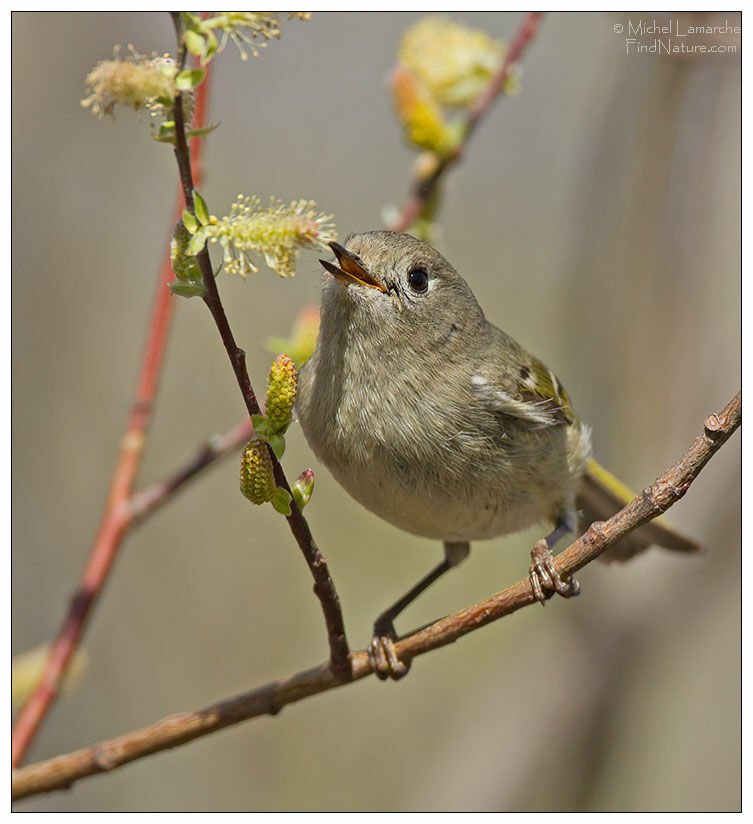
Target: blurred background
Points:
(597, 217)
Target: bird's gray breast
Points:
(410, 444)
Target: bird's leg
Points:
(382, 653)
(542, 573)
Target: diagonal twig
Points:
(123, 511)
(62, 771)
(324, 586)
(424, 187)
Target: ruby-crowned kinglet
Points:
(440, 423)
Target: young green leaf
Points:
(197, 242)
(200, 207)
(281, 501)
(277, 445)
(189, 79)
(190, 222)
(210, 47)
(205, 130)
(187, 289)
(194, 42)
(165, 133)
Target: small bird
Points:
(443, 425)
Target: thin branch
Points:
(143, 503)
(425, 187)
(324, 587)
(123, 509)
(115, 519)
(148, 500)
(62, 771)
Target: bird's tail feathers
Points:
(602, 494)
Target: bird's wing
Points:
(527, 391)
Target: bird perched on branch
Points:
(440, 423)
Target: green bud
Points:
(303, 487)
(185, 267)
(257, 479)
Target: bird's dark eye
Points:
(418, 280)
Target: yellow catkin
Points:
(257, 480)
(136, 81)
(281, 388)
(452, 59)
(418, 111)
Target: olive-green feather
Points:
(539, 384)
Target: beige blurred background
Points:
(597, 217)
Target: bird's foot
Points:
(382, 653)
(543, 575)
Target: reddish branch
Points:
(118, 517)
(425, 187)
(324, 586)
(121, 512)
(62, 771)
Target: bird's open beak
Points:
(351, 268)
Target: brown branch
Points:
(148, 500)
(116, 519)
(64, 770)
(143, 503)
(324, 587)
(425, 187)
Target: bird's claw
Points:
(543, 575)
(383, 656)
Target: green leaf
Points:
(298, 496)
(196, 244)
(189, 79)
(190, 222)
(187, 289)
(200, 207)
(258, 422)
(205, 130)
(281, 501)
(194, 42)
(277, 444)
(303, 488)
(210, 46)
(166, 133)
